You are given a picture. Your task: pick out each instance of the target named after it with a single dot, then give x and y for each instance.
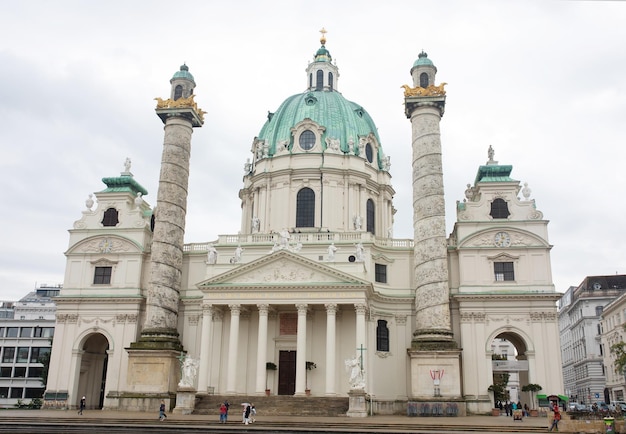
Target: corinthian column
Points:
(261, 372)
(301, 350)
(205, 348)
(233, 348)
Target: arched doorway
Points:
(93, 370)
(509, 363)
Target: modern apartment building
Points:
(26, 332)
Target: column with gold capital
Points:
(433, 347)
(424, 106)
(159, 345)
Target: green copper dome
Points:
(183, 73)
(342, 119)
(423, 60)
(323, 55)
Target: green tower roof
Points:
(323, 55)
(183, 73)
(494, 173)
(423, 60)
(123, 183)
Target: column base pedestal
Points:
(152, 372)
(185, 400)
(357, 406)
(435, 373)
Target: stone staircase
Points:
(275, 405)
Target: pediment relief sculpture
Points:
(283, 271)
(503, 239)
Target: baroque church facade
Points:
(314, 280)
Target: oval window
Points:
(369, 153)
(307, 140)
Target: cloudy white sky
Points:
(543, 82)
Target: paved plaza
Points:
(141, 422)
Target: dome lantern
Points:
(322, 74)
(423, 71)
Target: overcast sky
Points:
(542, 82)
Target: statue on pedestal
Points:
(356, 375)
(189, 371)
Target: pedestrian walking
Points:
(223, 412)
(82, 405)
(162, 415)
(246, 412)
(252, 413)
(556, 419)
(227, 404)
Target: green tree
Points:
(44, 359)
(619, 351)
(500, 381)
(532, 388)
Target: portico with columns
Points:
(298, 311)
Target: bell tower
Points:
(433, 349)
(153, 363)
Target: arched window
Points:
(319, 84)
(382, 336)
(371, 216)
(178, 92)
(110, 217)
(499, 209)
(305, 208)
(330, 81)
(423, 80)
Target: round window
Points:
(369, 153)
(307, 140)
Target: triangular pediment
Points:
(284, 268)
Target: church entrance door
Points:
(287, 372)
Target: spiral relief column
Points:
(425, 104)
(159, 343)
(433, 347)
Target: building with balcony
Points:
(580, 312)
(612, 325)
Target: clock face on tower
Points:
(105, 246)
(502, 239)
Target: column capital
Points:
(331, 308)
(263, 308)
(360, 308)
(302, 309)
(235, 309)
(207, 308)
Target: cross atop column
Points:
(181, 359)
(361, 349)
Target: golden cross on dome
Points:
(323, 38)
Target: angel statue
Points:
(356, 375)
(189, 372)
